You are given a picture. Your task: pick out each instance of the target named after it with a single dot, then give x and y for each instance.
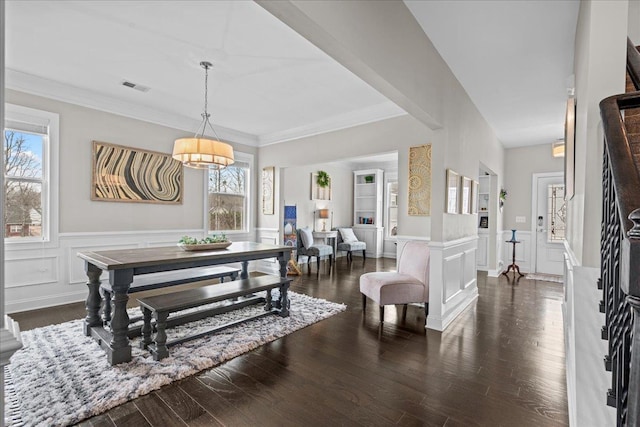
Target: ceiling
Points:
(514, 59)
(268, 83)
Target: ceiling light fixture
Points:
(557, 148)
(200, 152)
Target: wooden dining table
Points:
(124, 264)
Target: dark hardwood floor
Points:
(501, 363)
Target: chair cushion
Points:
(393, 288)
(353, 246)
(347, 235)
(319, 250)
(307, 237)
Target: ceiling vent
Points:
(135, 86)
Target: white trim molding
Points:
(587, 380)
(40, 278)
(452, 280)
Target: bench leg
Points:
(146, 328)
(106, 305)
(234, 276)
(268, 306)
(284, 300)
(161, 350)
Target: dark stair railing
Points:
(620, 247)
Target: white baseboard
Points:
(441, 323)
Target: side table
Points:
(513, 265)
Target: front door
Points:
(550, 224)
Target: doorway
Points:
(548, 223)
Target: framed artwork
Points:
(484, 222)
(465, 195)
(268, 174)
(474, 197)
(125, 174)
(570, 149)
(453, 182)
(419, 195)
(317, 192)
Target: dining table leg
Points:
(120, 348)
(92, 304)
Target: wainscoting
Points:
(452, 279)
(271, 236)
(49, 276)
(587, 380)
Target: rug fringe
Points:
(12, 412)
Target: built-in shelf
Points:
(367, 209)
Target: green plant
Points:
(503, 194)
(323, 179)
(368, 179)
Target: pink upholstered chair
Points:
(410, 284)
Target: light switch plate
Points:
(521, 219)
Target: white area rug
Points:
(545, 277)
(61, 376)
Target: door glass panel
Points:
(556, 214)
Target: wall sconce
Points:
(323, 214)
(557, 148)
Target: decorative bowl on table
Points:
(207, 244)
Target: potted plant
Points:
(368, 179)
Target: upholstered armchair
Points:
(409, 285)
(347, 241)
(307, 247)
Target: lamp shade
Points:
(557, 148)
(323, 213)
(200, 153)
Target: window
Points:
(29, 154)
(557, 213)
(228, 197)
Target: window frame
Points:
(50, 174)
(248, 205)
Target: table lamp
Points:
(323, 214)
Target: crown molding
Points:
(40, 86)
(374, 113)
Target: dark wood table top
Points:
(142, 257)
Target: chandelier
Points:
(201, 152)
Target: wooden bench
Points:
(162, 280)
(160, 306)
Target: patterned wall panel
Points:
(420, 180)
(123, 174)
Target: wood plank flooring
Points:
(501, 363)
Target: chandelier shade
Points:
(200, 152)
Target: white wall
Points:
(385, 136)
(600, 64)
(382, 43)
(520, 165)
(297, 183)
(365, 37)
(599, 67)
(52, 274)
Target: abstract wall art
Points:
(124, 174)
(420, 180)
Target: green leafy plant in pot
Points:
(368, 179)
